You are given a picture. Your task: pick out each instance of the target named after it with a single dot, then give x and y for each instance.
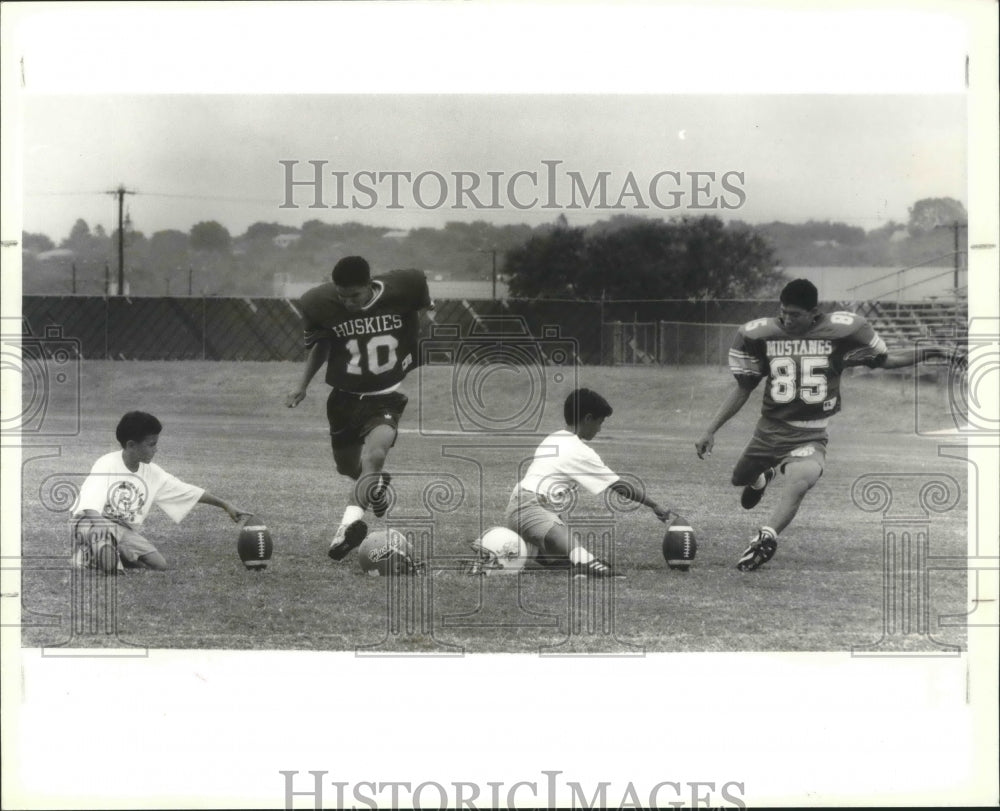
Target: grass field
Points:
(226, 428)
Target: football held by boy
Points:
(366, 331)
(119, 492)
(801, 355)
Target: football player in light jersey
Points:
(118, 494)
(801, 355)
(562, 462)
(366, 331)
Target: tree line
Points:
(622, 257)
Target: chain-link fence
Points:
(667, 343)
(263, 329)
(171, 328)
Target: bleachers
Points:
(904, 323)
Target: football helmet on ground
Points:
(500, 550)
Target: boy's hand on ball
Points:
(664, 513)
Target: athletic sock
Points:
(769, 533)
(352, 514)
(579, 555)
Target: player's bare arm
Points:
(901, 358)
(235, 513)
(735, 400)
(318, 354)
(632, 493)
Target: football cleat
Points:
(759, 552)
(594, 568)
(381, 498)
(348, 537)
(752, 495)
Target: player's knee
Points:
(106, 558)
(155, 561)
(374, 459)
(556, 542)
(801, 478)
(377, 445)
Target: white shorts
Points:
(528, 516)
(130, 544)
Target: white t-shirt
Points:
(117, 493)
(563, 462)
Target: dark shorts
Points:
(777, 444)
(353, 416)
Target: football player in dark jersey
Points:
(801, 355)
(366, 331)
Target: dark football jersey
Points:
(803, 371)
(374, 348)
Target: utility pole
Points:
(955, 227)
(493, 252)
(120, 193)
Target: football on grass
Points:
(385, 552)
(255, 546)
(679, 545)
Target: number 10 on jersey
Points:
(379, 355)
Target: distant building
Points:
(57, 255)
(284, 240)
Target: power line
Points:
(210, 197)
(63, 193)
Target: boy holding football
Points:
(801, 354)
(118, 494)
(366, 331)
(563, 462)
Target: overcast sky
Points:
(851, 158)
(847, 113)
